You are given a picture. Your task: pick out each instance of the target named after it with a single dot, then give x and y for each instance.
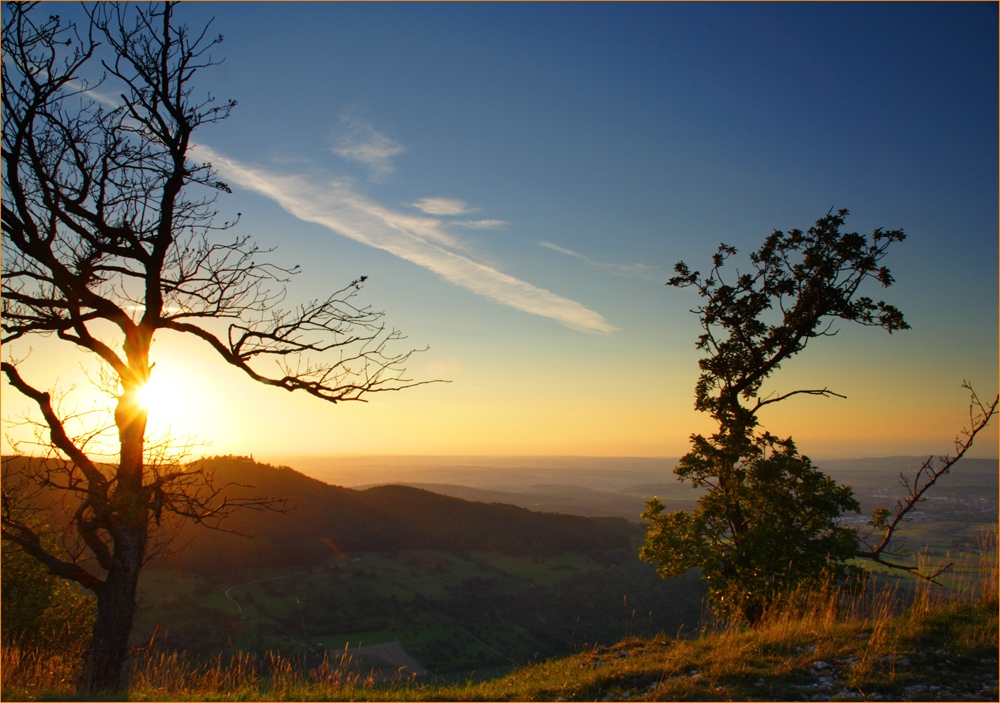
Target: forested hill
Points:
(321, 519)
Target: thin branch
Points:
(925, 477)
(58, 432)
(826, 392)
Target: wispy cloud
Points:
(563, 250)
(360, 141)
(650, 273)
(449, 207)
(337, 205)
(479, 224)
(84, 88)
(442, 206)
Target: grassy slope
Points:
(947, 652)
(455, 613)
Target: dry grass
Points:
(49, 672)
(172, 676)
(245, 677)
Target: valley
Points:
(466, 580)
(459, 614)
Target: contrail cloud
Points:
(420, 240)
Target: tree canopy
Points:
(770, 519)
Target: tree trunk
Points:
(104, 662)
(116, 605)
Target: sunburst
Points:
(163, 397)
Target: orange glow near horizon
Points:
(208, 407)
(187, 399)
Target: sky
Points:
(518, 180)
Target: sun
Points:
(163, 397)
(187, 399)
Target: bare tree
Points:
(108, 224)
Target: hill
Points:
(465, 584)
(496, 602)
(321, 520)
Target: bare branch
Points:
(362, 365)
(22, 524)
(59, 436)
(916, 487)
(825, 392)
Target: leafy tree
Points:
(40, 611)
(774, 525)
(769, 518)
(110, 238)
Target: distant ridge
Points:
(616, 486)
(602, 473)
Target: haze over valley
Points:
(620, 486)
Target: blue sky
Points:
(518, 180)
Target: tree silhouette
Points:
(769, 518)
(109, 239)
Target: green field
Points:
(454, 613)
